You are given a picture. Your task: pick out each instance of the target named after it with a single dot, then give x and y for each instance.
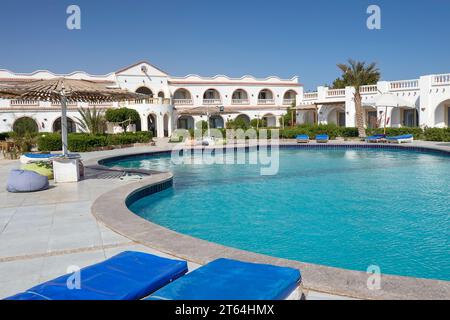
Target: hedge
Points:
(417, 132)
(82, 142)
(437, 134)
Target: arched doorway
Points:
(265, 96)
(243, 117)
(144, 90)
(25, 125)
(211, 96)
(152, 124)
(185, 122)
(161, 94)
(216, 122)
(239, 96)
(182, 97)
(269, 120)
(336, 116)
(289, 97)
(442, 114)
(71, 126)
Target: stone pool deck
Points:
(44, 233)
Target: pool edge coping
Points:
(321, 278)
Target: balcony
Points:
(266, 101)
(24, 103)
(182, 102)
(150, 101)
(310, 96)
(288, 102)
(240, 101)
(212, 102)
(441, 79)
(370, 89)
(335, 93)
(404, 85)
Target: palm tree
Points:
(357, 74)
(92, 120)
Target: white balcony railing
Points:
(240, 101)
(212, 101)
(101, 104)
(182, 102)
(288, 101)
(24, 103)
(266, 101)
(441, 79)
(334, 93)
(368, 89)
(150, 101)
(404, 85)
(310, 95)
(69, 104)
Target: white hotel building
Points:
(180, 102)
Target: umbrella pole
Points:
(64, 124)
(385, 120)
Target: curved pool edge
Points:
(315, 277)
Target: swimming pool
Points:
(346, 208)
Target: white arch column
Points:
(144, 121)
(159, 126)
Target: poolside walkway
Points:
(44, 233)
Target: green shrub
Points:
(86, 142)
(238, 123)
(130, 138)
(49, 142)
(121, 115)
(349, 132)
(24, 126)
(82, 142)
(437, 134)
(260, 123)
(331, 130)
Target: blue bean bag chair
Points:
(26, 181)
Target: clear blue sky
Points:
(208, 37)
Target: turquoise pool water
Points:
(342, 208)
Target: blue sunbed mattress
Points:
(126, 276)
(322, 137)
(226, 279)
(404, 136)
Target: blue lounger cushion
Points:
(302, 137)
(376, 136)
(322, 137)
(404, 136)
(127, 276)
(226, 279)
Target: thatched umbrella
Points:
(63, 90)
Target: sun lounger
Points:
(376, 138)
(226, 279)
(322, 138)
(126, 276)
(38, 157)
(400, 139)
(302, 138)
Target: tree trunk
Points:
(359, 115)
